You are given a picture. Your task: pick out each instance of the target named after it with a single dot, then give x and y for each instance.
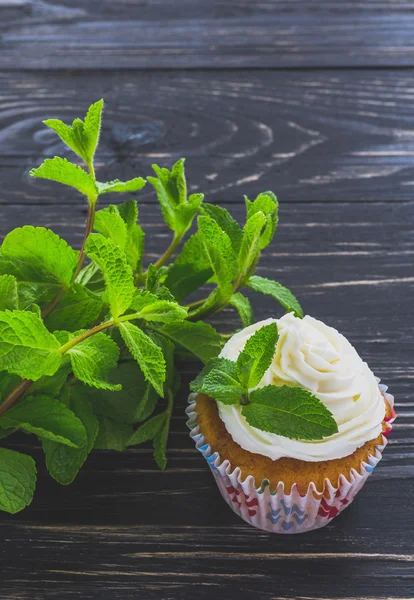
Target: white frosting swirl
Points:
(316, 357)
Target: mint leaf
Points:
(141, 299)
(250, 246)
(243, 307)
(191, 269)
(155, 429)
(154, 277)
(147, 431)
(172, 381)
(129, 212)
(163, 311)
(135, 402)
(119, 224)
(93, 359)
(64, 462)
(117, 272)
(77, 309)
(225, 221)
(43, 251)
(47, 418)
(163, 293)
(257, 354)
(220, 379)
(160, 442)
(109, 223)
(27, 348)
(292, 412)
(134, 246)
(171, 187)
(92, 278)
(51, 386)
(61, 170)
(17, 480)
(9, 299)
(133, 185)
(199, 338)
(92, 128)
(151, 308)
(220, 253)
(83, 136)
(147, 354)
(277, 291)
(33, 285)
(267, 204)
(112, 435)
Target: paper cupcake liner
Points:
(279, 511)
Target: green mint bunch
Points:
(292, 412)
(90, 339)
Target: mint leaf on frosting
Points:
(220, 379)
(292, 412)
(257, 355)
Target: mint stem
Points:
(88, 230)
(244, 400)
(52, 304)
(81, 258)
(15, 394)
(216, 307)
(162, 259)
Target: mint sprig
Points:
(90, 338)
(291, 412)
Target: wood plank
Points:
(72, 34)
(314, 136)
(180, 561)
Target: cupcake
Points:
(291, 421)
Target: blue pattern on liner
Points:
(296, 513)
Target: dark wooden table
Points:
(314, 100)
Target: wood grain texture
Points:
(39, 34)
(272, 94)
(344, 136)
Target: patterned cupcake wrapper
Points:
(278, 511)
